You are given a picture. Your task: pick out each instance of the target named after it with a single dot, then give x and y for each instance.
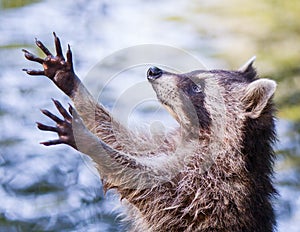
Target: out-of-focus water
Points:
(52, 189)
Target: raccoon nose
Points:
(154, 73)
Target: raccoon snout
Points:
(154, 73)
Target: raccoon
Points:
(212, 173)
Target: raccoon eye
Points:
(196, 88)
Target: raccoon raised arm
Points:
(95, 117)
(117, 168)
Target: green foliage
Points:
(8, 4)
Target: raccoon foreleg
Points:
(96, 118)
(117, 169)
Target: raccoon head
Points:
(183, 96)
(211, 100)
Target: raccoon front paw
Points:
(56, 68)
(63, 127)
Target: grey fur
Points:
(198, 179)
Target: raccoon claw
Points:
(34, 72)
(44, 127)
(63, 127)
(62, 111)
(52, 142)
(58, 49)
(32, 57)
(61, 72)
(71, 109)
(43, 47)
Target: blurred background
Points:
(52, 189)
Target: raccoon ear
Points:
(257, 95)
(248, 66)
